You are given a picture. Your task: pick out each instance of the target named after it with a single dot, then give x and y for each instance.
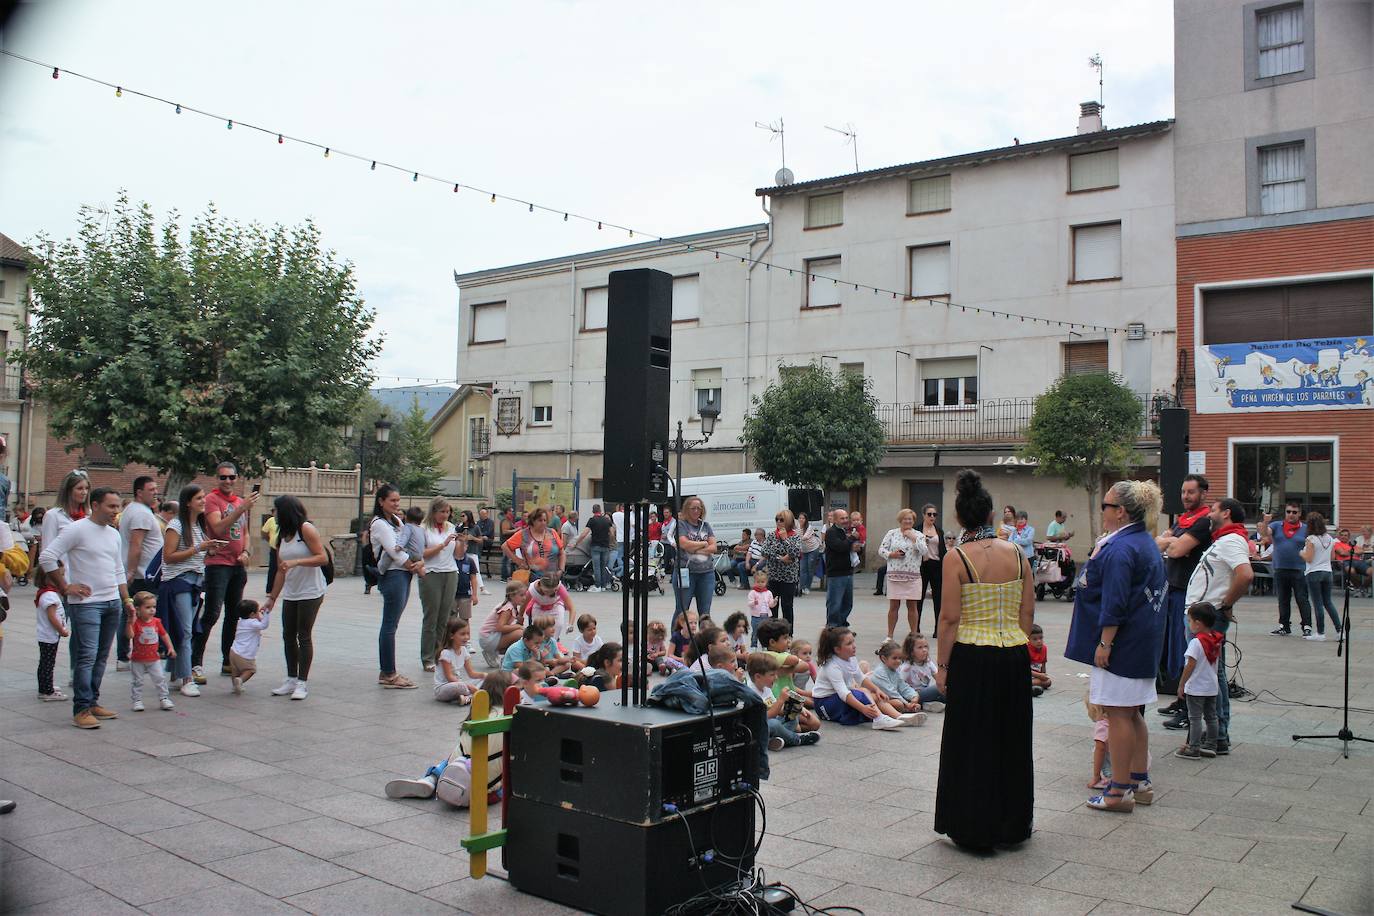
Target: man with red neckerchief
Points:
(1222, 576)
(226, 569)
(1182, 547)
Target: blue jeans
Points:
(1223, 690)
(93, 632)
(701, 588)
(929, 694)
(1319, 586)
(395, 588)
(839, 600)
(745, 577)
(600, 565)
(804, 580)
(779, 727)
(184, 607)
(618, 562)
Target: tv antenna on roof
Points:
(1096, 63)
(850, 137)
(784, 175)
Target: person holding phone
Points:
(440, 583)
(184, 548)
(226, 566)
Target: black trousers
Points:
(785, 592)
(47, 661)
(932, 577)
(223, 591)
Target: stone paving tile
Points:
(253, 812)
(405, 866)
(1020, 866)
(87, 903)
(324, 837)
(145, 879)
(144, 815)
(439, 830)
(92, 845)
(356, 808)
(1278, 832)
(206, 841)
(1225, 902)
(906, 877)
(1351, 865)
(1084, 822)
(1207, 846)
(194, 790)
(32, 881)
(786, 852)
(1252, 807)
(993, 896)
(1284, 883)
(804, 884)
(1342, 896)
(1177, 896)
(1117, 908)
(282, 872)
(900, 839)
(874, 902)
(492, 895)
(366, 895)
(224, 900)
(1122, 851)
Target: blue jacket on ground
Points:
(1122, 586)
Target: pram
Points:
(656, 572)
(578, 577)
(1054, 571)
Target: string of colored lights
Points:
(416, 175)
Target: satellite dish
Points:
(784, 177)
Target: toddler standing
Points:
(761, 604)
(1198, 683)
(1099, 719)
(52, 626)
(145, 634)
(243, 655)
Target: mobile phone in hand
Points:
(257, 488)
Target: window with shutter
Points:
(595, 305)
(822, 288)
(707, 385)
(95, 456)
(1093, 171)
(825, 210)
(1279, 36)
(1097, 252)
(1283, 178)
(1085, 356)
(541, 403)
(949, 382)
(687, 298)
(488, 323)
(1334, 308)
(930, 270)
(928, 195)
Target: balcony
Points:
(990, 421)
(10, 382)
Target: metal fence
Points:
(992, 420)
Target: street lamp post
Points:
(381, 432)
(709, 412)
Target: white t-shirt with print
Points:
(1212, 578)
(1203, 681)
(1321, 553)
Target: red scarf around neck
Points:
(39, 596)
(1020, 526)
(1186, 520)
(1211, 643)
(1230, 528)
(1291, 528)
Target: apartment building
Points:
(1275, 208)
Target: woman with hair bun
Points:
(1118, 628)
(986, 790)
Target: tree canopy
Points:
(246, 343)
(815, 428)
(1084, 426)
(419, 472)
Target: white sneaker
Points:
(595, 588)
(912, 719)
(484, 590)
(933, 706)
(53, 697)
(287, 687)
(138, 706)
(885, 722)
(189, 689)
(121, 666)
(301, 691)
(236, 684)
(411, 788)
(166, 703)
(1315, 637)
(776, 744)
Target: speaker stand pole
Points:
(679, 446)
(641, 649)
(625, 628)
(1345, 735)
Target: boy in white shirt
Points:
(243, 655)
(1198, 683)
(782, 720)
(586, 642)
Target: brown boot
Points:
(84, 719)
(100, 712)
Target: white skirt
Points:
(1107, 689)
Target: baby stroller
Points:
(724, 566)
(578, 577)
(1054, 571)
(655, 572)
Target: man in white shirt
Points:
(141, 537)
(95, 583)
(1222, 576)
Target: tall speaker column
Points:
(1173, 456)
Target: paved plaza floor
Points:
(257, 804)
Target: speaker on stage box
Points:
(639, 328)
(1173, 456)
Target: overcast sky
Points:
(638, 113)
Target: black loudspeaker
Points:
(630, 763)
(608, 866)
(1173, 456)
(639, 328)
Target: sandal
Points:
(1101, 784)
(395, 682)
(1119, 797)
(429, 667)
(1144, 792)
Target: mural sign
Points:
(1318, 374)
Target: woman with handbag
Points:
(536, 549)
(300, 583)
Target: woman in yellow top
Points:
(986, 789)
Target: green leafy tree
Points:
(814, 428)
(244, 342)
(420, 472)
(1083, 427)
(383, 461)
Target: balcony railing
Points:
(993, 420)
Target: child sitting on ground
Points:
(243, 656)
(146, 633)
(737, 627)
(843, 693)
(1197, 685)
(503, 625)
(761, 603)
(807, 672)
(586, 642)
(723, 657)
(527, 649)
(455, 679)
(701, 645)
(529, 677)
(551, 653)
(1039, 656)
(547, 596)
(918, 670)
(1098, 715)
(660, 650)
(412, 537)
(776, 636)
(886, 677)
(607, 661)
(52, 627)
(782, 708)
(687, 626)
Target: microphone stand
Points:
(1345, 735)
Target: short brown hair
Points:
(761, 663)
(718, 655)
(527, 669)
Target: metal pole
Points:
(362, 459)
(679, 445)
(641, 661)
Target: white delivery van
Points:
(738, 501)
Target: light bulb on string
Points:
(56, 73)
(326, 152)
(119, 92)
(415, 176)
(455, 187)
(565, 217)
(178, 108)
(598, 224)
(531, 208)
(374, 165)
(632, 233)
(280, 140)
(230, 125)
(717, 255)
(493, 198)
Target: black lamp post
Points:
(709, 413)
(381, 431)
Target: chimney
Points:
(1089, 117)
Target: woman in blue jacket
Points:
(1118, 628)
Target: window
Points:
(1093, 171)
(929, 266)
(1267, 475)
(1334, 308)
(949, 382)
(687, 298)
(489, 323)
(541, 403)
(1278, 43)
(1283, 178)
(479, 438)
(595, 305)
(856, 369)
(821, 289)
(706, 385)
(927, 195)
(1085, 356)
(1097, 252)
(825, 210)
(95, 456)
(2, 288)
